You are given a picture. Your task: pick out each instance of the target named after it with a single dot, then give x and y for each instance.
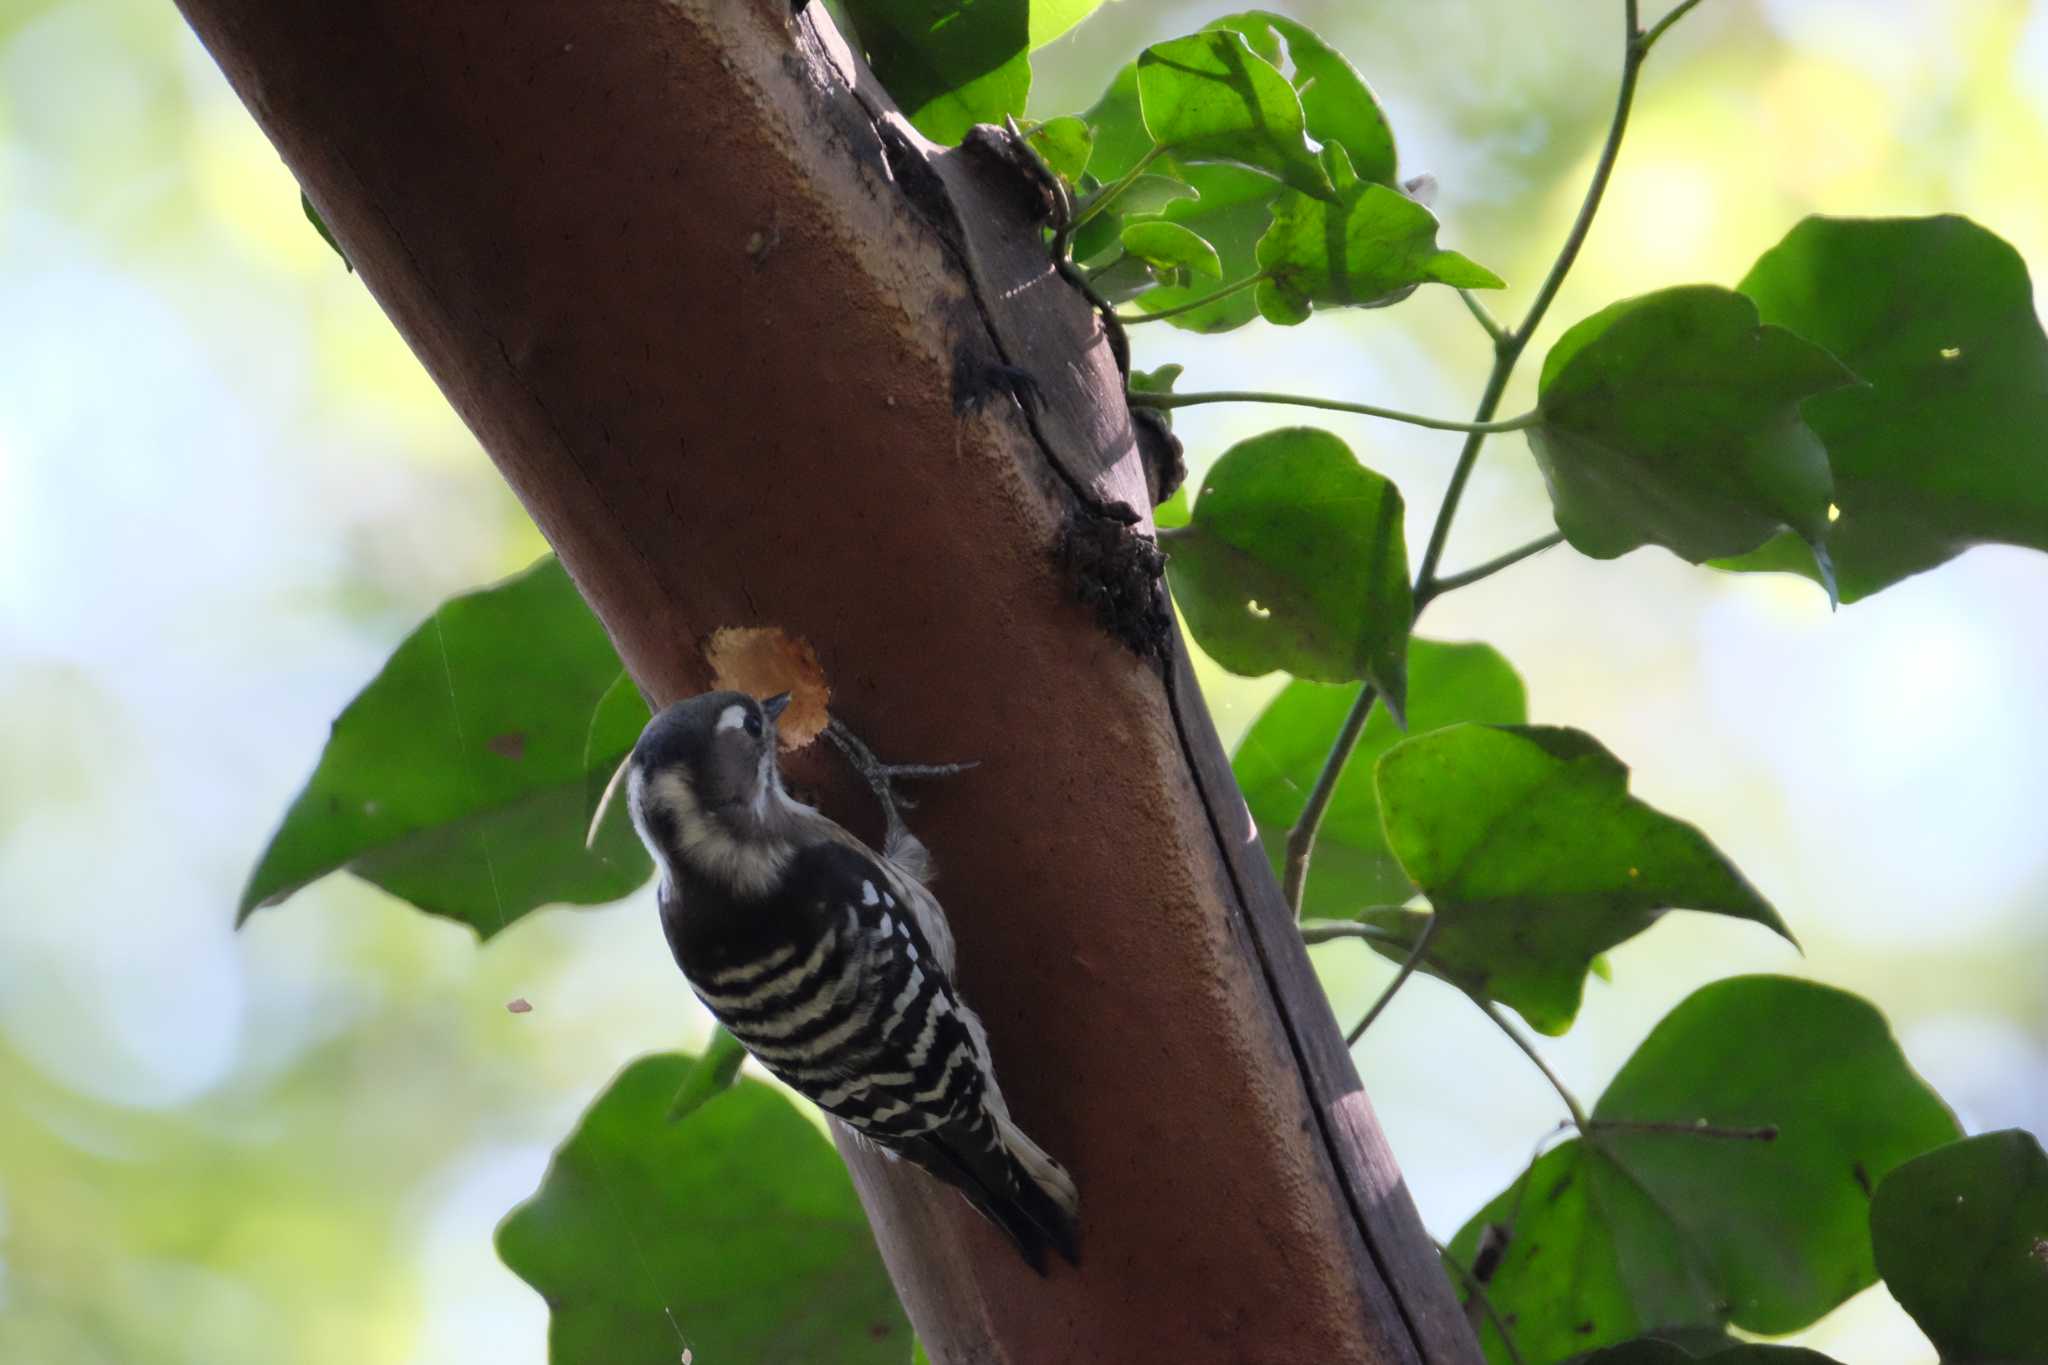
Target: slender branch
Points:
(1649, 40)
(1128, 319)
(1681, 1128)
(1330, 930)
(1483, 315)
(1189, 400)
(1480, 1296)
(1301, 839)
(1408, 966)
(1507, 350)
(1501, 1021)
(1436, 588)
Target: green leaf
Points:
(1537, 859)
(710, 1076)
(326, 235)
(459, 779)
(736, 1234)
(1370, 245)
(1942, 449)
(1658, 1229)
(1280, 756)
(1658, 1351)
(949, 64)
(1961, 1235)
(1065, 143)
(1118, 126)
(1169, 246)
(1051, 18)
(1336, 103)
(1295, 560)
(1673, 419)
(1209, 97)
(1233, 211)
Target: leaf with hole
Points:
(460, 778)
(1673, 1217)
(1281, 755)
(1295, 559)
(1536, 859)
(1941, 448)
(1369, 245)
(736, 1231)
(1209, 97)
(1961, 1235)
(1674, 419)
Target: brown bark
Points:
(710, 307)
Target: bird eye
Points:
(753, 724)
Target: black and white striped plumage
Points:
(830, 962)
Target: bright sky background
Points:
(226, 490)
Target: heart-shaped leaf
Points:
(1673, 419)
(1678, 1211)
(1280, 756)
(1961, 1235)
(1209, 97)
(1167, 246)
(1941, 449)
(1295, 560)
(1336, 103)
(1536, 859)
(733, 1236)
(460, 778)
(1232, 213)
(1368, 245)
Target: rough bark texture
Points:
(729, 328)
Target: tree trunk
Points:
(746, 348)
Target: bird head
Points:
(704, 791)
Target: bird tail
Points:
(1010, 1181)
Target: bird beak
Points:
(776, 705)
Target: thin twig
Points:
(1143, 399)
(1681, 1128)
(1408, 966)
(1501, 1021)
(1484, 1300)
(1452, 582)
(1301, 839)
(1649, 40)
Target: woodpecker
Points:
(832, 963)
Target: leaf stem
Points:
(1501, 1021)
(1105, 196)
(1452, 582)
(1485, 1302)
(1408, 966)
(1237, 287)
(1189, 400)
(1483, 315)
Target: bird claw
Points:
(881, 777)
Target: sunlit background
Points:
(226, 490)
